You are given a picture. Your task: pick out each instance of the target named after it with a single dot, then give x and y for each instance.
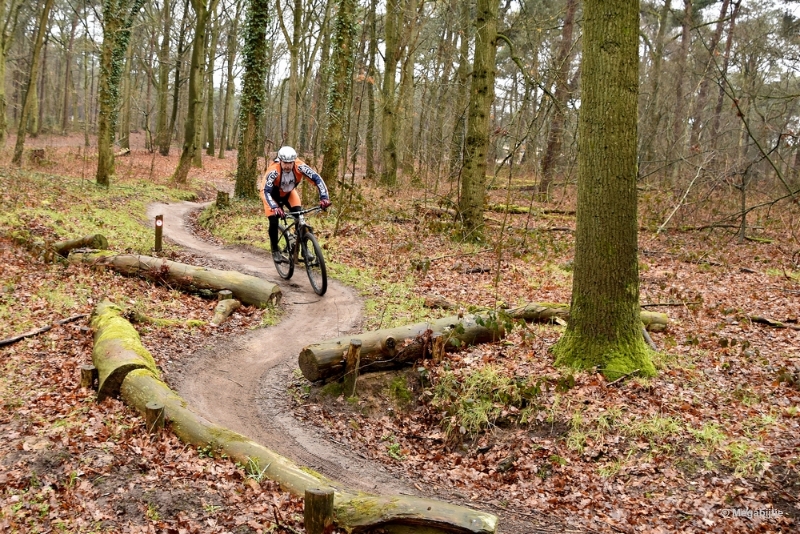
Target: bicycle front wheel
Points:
(315, 264)
(285, 263)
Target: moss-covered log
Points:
(96, 241)
(247, 289)
(545, 312)
(392, 347)
(117, 349)
(354, 512)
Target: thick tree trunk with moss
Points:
(248, 289)
(339, 91)
(30, 89)
(473, 182)
(117, 349)
(604, 329)
(254, 97)
(118, 17)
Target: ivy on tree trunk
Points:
(253, 98)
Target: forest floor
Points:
(709, 445)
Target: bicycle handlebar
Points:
(295, 214)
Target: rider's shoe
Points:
(277, 257)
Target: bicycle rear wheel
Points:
(285, 266)
(315, 264)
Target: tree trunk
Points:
(9, 14)
(163, 134)
(473, 184)
(339, 90)
(604, 330)
(30, 90)
(653, 113)
(95, 241)
(702, 94)
(214, 29)
(251, 109)
(233, 29)
(247, 289)
(388, 117)
(65, 112)
(124, 134)
(462, 95)
(176, 86)
(723, 73)
(556, 133)
(372, 75)
(195, 106)
(117, 21)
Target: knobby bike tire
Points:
(315, 264)
(285, 238)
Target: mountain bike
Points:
(309, 252)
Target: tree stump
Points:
(437, 350)
(352, 361)
(223, 310)
(154, 417)
(88, 376)
(318, 510)
(223, 200)
(37, 156)
(225, 294)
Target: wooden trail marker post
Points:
(159, 232)
(154, 417)
(89, 376)
(318, 510)
(352, 361)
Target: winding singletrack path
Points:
(241, 383)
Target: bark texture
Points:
(473, 185)
(604, 330)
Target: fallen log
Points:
(96, 241)
(545, 312)
(247, 289)
(353, 511)
(391, 347)
(395, 347)
(37, 331)
(117, 349)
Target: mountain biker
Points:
(277, 188)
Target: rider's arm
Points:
(315, 178)
(272, 175)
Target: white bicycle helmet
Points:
(287, 154)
